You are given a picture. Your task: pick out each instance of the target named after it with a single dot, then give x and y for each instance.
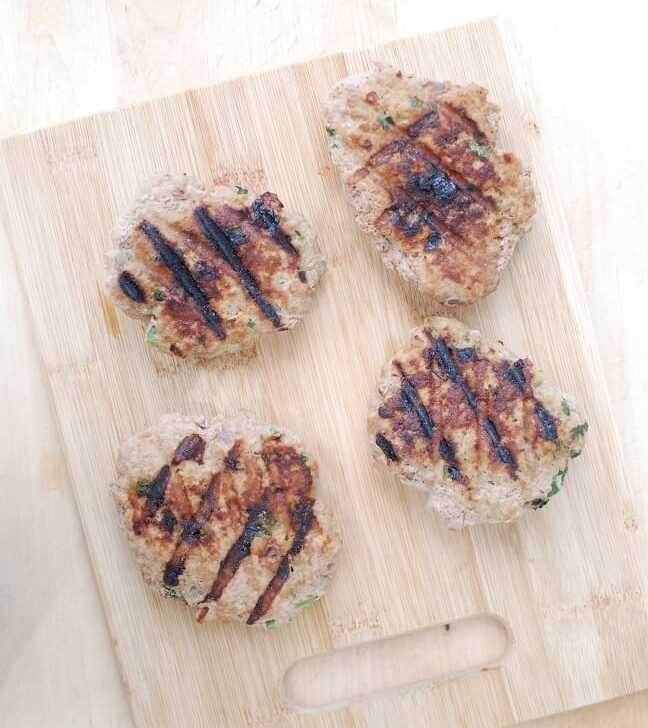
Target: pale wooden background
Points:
(61, 60)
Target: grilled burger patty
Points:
(222, 514)
(211, 270)
(473, 425)
(417, 159)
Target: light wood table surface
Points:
(62, 59)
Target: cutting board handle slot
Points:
(422, 657)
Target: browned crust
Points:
(279, 493)
(213, 269)
(473, 424)
(418, 160)
(464, 390)
(212, 274)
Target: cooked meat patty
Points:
(222, 514)
(211, 270)
(419, 163)
(473, 425)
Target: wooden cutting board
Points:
(567, 580)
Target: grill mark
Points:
(503, 453)
(547, 421)
(430, 158)
(231, 460)
(191, 447)
(447, 452)
(169, 521)
(431, 162)
(431, 204)
(130, 287)
(467, 354)
(429, 119)
(174, 261)
(385, 153)
(445, 234)
(442, 353)
(226, 248)
(516, 375)
(443, 189)
(385, 445)
(469, 124)
(302, 520)
(434, 163)
(192, 532)
(156, 491)
(410, 397)
(411, 219)
(457, 241)
(238, 551)
(412, 402)
(472, 190)
(271, 221)
(172, 572)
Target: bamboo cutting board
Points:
(568, 580)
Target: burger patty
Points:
(473, 425)
(223, 515)
(211, 270)
(418, 160)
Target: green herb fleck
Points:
(251, 324)
(270, 624)
(330, 130)
(240, 190)
(561, 446)
(580, 430)
(565, 407)
(335, 144)
(143, 485)
(385, 121)
(158, 295)
(432, 106)
(298, 233)
(306, 602)
(446, 471)
(152, 339)
(574, 453)
(490, 482)
(303, 458)
(265, 526)
(274, 432)
(556, 484)
(415, 102)
(478, 148)
(170, 594)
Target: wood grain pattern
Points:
(98, 162)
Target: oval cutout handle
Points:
(426, 656)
